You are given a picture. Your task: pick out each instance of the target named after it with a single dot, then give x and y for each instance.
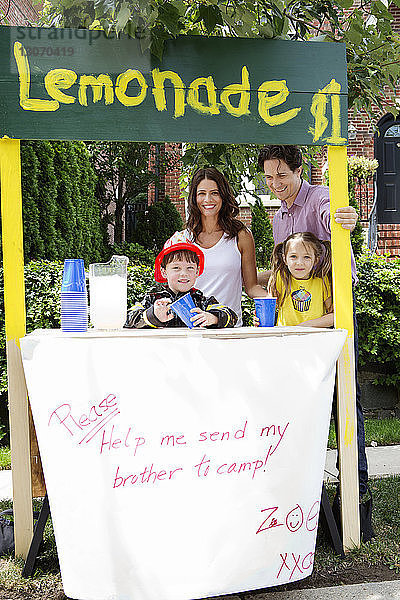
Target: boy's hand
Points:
(162, 310)
(203, 318)
(347, 217)
(256, 321)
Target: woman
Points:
(228, 246)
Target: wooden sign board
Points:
(81, 85)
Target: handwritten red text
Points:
(148, 475)
(90, 423)
(293, 521)
(295, 563)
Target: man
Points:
(306, 207)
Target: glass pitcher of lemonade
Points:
(108, 293)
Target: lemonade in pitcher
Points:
(108, 293)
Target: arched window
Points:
(393, 131)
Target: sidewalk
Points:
(385, 590)
(5, 485)
(382, 461)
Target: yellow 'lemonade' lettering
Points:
(238, 88)
(266, 102)
(159, 78)
(193, 96)
(97, 84)
(24, 74)
(57, 80)
(201, 95)
(318, 110)
(122, 83)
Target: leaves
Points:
(378, 315)
(169, 16)
(261, 229)
(372, 45)
(124, 14)
(102, 7)
(345, 3)
(210, 15)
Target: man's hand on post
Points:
(347, 217)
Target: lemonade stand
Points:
(204, 90)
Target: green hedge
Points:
(378, 316)
(61, 213)
(137, 254)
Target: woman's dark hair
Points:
(291, 155)
(229, 209)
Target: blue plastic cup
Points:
(265, 311)
(74, 279)
(182, 308)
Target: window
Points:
(393, 131)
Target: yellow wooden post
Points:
(14, 303)
(343, 301)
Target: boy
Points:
(178, 265)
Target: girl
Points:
(301, 281)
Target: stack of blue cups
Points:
(74, 302)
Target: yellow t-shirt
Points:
(305, 300)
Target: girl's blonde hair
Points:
(322, 266)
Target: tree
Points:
(123, 173)
(365, 27)
(33, 242)
(157, 224)
(261, 229)
(233, 160)
(62, 216)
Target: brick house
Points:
(18, 12)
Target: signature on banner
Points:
(294, 519)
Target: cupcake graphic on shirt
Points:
(301, 299)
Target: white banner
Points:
(182, 468)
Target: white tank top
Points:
(222, 275)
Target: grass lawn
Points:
(385, 432)
(5, 458)
(378, 560)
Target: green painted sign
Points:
(79, 84)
